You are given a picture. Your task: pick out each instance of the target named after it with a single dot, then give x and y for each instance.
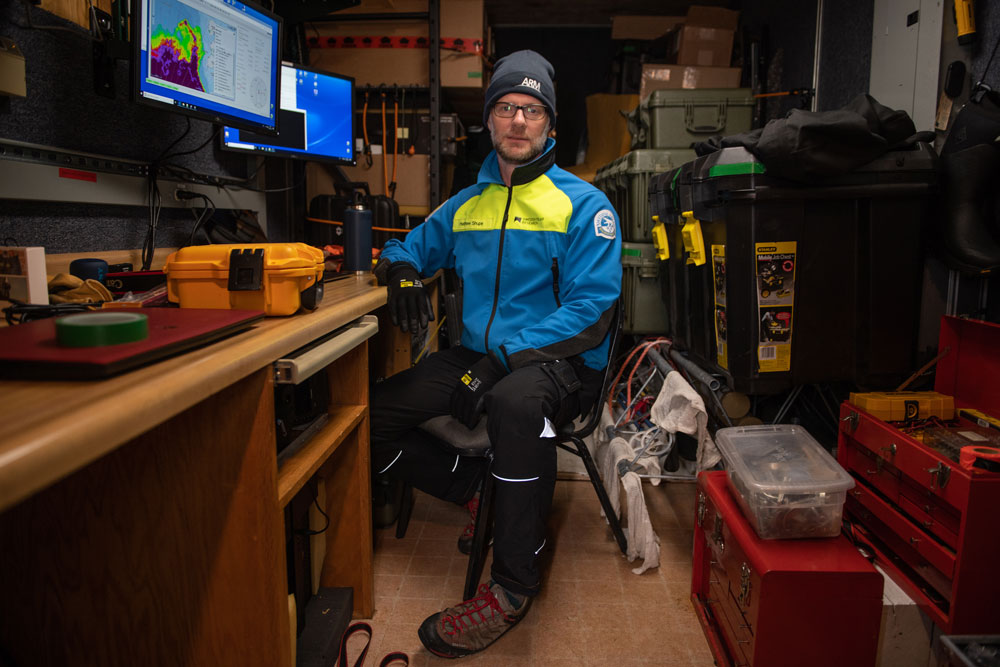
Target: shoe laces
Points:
(473, 507)
(474, 611)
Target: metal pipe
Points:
(659, 361)
(694, 370)
(951, 301)
(817, 52)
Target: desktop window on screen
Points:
(315, 118)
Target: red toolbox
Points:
(931, 522)
(777, 603)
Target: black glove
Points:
(409, 305)
(467, 398)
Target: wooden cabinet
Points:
(141, 516)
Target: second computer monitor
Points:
(316, 119)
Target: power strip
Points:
(24, 152)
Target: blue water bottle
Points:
(358, 237)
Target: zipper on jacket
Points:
(555, 280)
(496, 285)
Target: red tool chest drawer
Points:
(776, 603)
(931, 522)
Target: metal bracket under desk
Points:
(307, 361)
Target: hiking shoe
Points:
(465, 539)
(474, 624)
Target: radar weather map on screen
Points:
(216, 58)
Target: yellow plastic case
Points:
(278, 278)
(897, 406)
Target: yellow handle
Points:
(694, 242)
(660, 241)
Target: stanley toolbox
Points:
(277, 278)
(783, 284)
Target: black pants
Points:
(524, 464)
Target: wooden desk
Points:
(141, 515)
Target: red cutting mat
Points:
(30, 351)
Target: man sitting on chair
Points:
(539, 257)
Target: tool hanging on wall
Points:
(366, 149)
(965, 22)
(411, 138)
(385, 144)
(406, 127)
(395, 140)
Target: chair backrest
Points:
(595, 412)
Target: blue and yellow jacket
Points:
(540, 262)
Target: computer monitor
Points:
(316, 119)
(214, 59)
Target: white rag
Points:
(642, 540)
(679, 408)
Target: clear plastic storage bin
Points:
(786, 483)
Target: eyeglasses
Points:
(508, 110)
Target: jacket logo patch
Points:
(604, 224)
(531, 83)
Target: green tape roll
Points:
(98, 329)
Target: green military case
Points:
(679, 118)
(642, 290)
(626, 181)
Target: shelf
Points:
(298, 468)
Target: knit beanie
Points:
(524, 72)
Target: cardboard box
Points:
(660, 77)
(705, 38)
(643, 27)
(607, 132)
(404, 66)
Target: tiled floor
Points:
(592, 609)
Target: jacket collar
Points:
(490, 171)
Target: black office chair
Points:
(463, 441)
